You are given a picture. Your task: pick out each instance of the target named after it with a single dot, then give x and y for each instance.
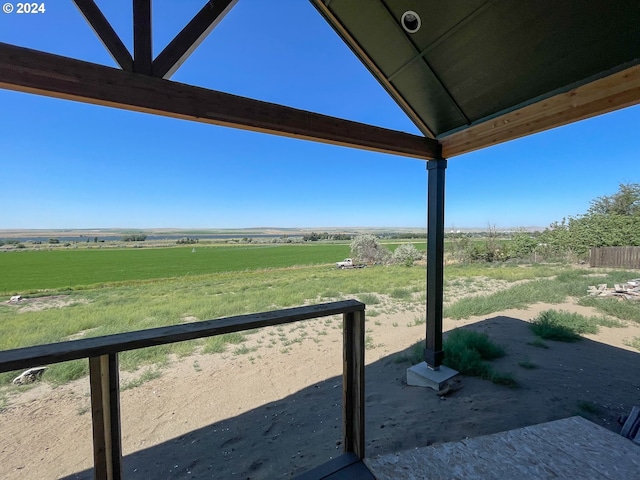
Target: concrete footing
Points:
(421, 375)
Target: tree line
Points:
(611, 221)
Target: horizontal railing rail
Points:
(102, 353)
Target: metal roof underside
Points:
(474, 60)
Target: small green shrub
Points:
(61, 373)
(537, 342)
(243, 350)
(611, 306)
(506, 379)
(147, 375)
(562, 326)
(368, 342)
(527, 364)
(588, 407)
(369, 298)
(634, 342)
(466, 351)
(460, 340)
(400, 294)
(218, 344)
(413, 355)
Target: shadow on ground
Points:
(287, 437)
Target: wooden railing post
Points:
(105, 412)
(353, 383)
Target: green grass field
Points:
(109, 291)
(31, 271)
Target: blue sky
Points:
(73, 165)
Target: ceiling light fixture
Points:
(410, 21)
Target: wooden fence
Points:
(616, 257)
(102, 353)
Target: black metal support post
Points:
(433, 353)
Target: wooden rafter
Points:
(142, 45)
(41, 73)
(605, 95)
(191, 36)
(105, 32)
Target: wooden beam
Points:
(605, 95)
(41, 73)
(142, 45)
(105, 32)
(191, 36)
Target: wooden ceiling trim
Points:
(191, 36)
(616, 91)
(30, 71)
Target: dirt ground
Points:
(271, 407)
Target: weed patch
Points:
(537, 342)
(64, 372)
(625, 310)
(588, 407)
(414, 355)
(243, 350)
(368, 298)
(467, 352)
(148, 375)
(218, 344)
(400, 293)
(565, 326)
(417, 321)
(634, 342)
(527, 365)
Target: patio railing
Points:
(102, 353)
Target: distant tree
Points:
(133, 238)
(341, 236)
(310, 237)
(54, 240)
(367, 249)
(187, 241)
(405, 254)
(626, 201)
(611, 221)
(522, 244)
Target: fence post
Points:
(353, 383)
(104, 379)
